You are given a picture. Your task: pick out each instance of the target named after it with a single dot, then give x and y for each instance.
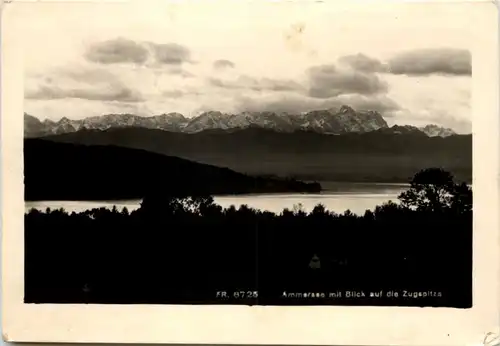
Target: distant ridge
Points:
(385, 155)
(328, 121)
(65, 171)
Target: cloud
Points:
(122, 50)
(363, 63)
(173, 93)
(171, 53)
(423, 117)
(432, 99)
(179, 71)
(163, 71)
(86, 84)
(458, 125)
(327, 81)
(443, 61)
(177, 93)
(296, 103)
(154, 87)
(250, 83)
(82, 74)
(432, 61)
(223, 64)
(119, 50)
(378, 103)
(45, 92)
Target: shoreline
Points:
(322, 191)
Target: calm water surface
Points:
(337, 197)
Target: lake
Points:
(336, 197)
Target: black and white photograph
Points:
(174, 170)
(271, 156)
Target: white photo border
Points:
(258, 324)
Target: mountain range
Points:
(329, 121)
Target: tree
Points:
(298, 210)
(434, 190)
(348, 213)
(161, 203)
(319, 209)
(388, 210)
(461, 201)
(164, 204)
(197, 204)
(369, 215)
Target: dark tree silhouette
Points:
(319, 209)
(461, 201)
(183, 248)
(434, 190)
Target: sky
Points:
(412, 62)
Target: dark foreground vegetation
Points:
(176, 250)
(65, 171)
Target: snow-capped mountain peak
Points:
(345, 109)
(437, 131)
(64, 120)
(333, 121)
